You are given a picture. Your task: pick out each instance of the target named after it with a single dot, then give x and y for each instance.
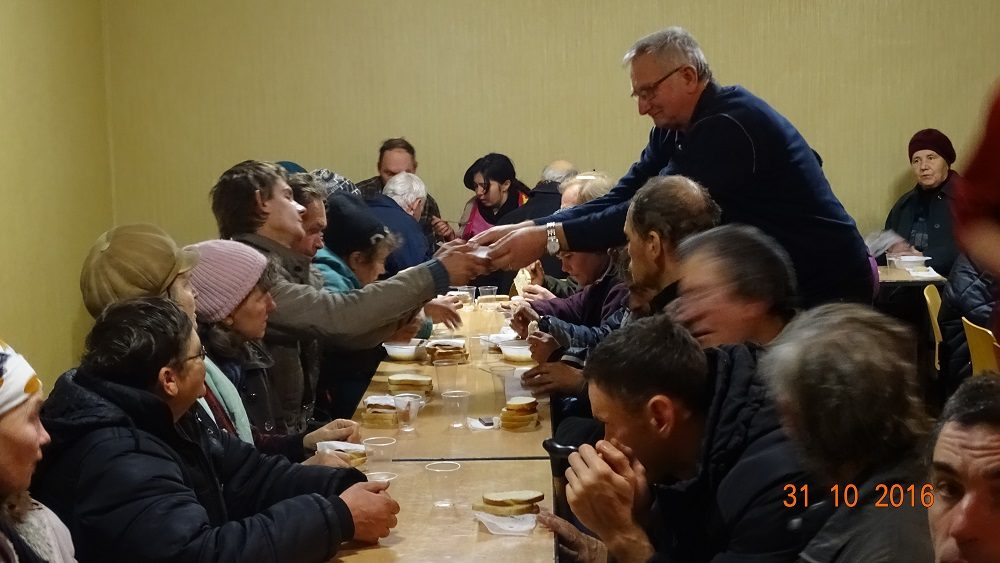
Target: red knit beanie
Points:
(934, 140)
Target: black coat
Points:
(133, 486)
(732, 510)
(941, 245)
(969, 294)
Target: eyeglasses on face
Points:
(647, 92)
(200, 355)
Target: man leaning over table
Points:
(694, 465)
(751, 159)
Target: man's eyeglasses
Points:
(200, 355)
(646, 93)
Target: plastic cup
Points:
(447, 375)
(456, 405)
(379, 450)
(442, 476)
(469, 299)
(490, 293)
(407, 408)
(381, 476)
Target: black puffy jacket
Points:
(133, 486)
(969, 294)
(733, 510)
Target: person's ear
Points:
(504, 187)
(689, 79)
(654, 244)
(169, 381)
(259, 199)
(661, 412)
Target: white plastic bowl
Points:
(404, 351)
(909, 262)
(516, 350)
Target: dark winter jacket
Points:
(133, 486)
(761, 172)
(733, 510)
(591, 305)
(968, 293)
(414, 249)
(941, 245)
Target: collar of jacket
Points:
(338, 265)
(663, 298)
(545, 187)
(844, 523)
(295, 263)
(144, 409)
(705, 101)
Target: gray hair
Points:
(558, 173)
(592, 185)
(845, 376)
(671, 47)
(405, 188)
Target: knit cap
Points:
(17, 379)
(350, 225)
(934, 140)
(131, 261)
(227, 271)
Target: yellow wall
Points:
(198, 86)
(55, 196)
(181, 89)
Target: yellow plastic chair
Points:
(981, 348)
(933, 299)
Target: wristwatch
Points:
(552, 245)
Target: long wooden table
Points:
(428, 533)
(896, 276)
(492, 460)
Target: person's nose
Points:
(271, 305)
(299, 208)
(643, 105)
(970, 519)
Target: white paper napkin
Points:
(474, 424)
(507, 525)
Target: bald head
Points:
(558, 171)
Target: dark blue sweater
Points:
(761, 172)
(414, 249)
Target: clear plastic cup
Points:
(456, 406)
(407, 408)
(379, 450)
(443, 476)
(447, 375)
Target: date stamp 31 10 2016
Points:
(886, 495)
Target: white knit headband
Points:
(18, 381)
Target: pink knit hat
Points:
(226, 273)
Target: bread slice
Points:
(517, 416)
(526, 404)
(513, 498)
(506, 510)
(380, 419)
(410, 379)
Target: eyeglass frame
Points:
(201, 355)
(647, 92)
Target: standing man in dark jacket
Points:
(751, 159)
(136, 478)
(694, 462)
(922, 215)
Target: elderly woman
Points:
(922, 216)
(357, 246)
(29, 532)
(136, 478)
(850, 365)
(143, 261)
(232, 282)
